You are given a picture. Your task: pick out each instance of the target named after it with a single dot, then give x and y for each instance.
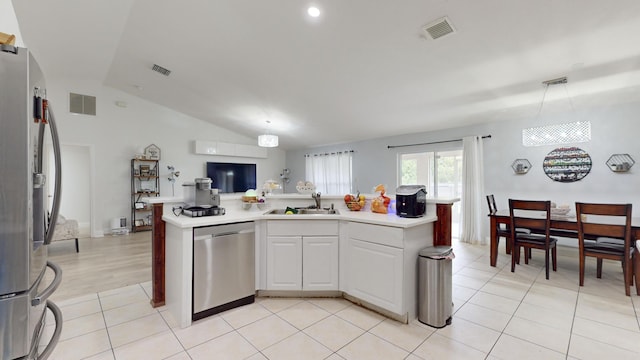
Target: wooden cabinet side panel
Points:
(442, 228)
(158, 255)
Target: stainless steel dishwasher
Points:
(223, 268)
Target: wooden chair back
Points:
(531, 214)
(491, 201)
(605, 227)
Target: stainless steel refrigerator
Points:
(26, 221)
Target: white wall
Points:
(8, 21)
(373, 162)
(117, 134)
(614, 129)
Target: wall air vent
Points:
(438, 28)
(82, 104)
(161, 70)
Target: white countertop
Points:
(234, 212)
(234, 215)
(169, 199)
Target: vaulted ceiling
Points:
(363, 69)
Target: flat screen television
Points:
(232, 177)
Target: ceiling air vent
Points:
(439, 28)
(161, 70)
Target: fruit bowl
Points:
(354, 206)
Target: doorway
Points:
(75, 200)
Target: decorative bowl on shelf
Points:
(305, 189)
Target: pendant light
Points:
(268, 140)
(559, 133)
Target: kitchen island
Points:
(343, 252)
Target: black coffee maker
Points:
(411, 201)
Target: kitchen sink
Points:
(305, 212)
(318, 212)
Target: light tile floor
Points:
(498, 315)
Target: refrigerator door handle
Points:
(40, 298)
(57, 315)
(55, 207)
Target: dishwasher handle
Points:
(208, 232)
(220, 234)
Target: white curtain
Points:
(473, 189)
(330, 172)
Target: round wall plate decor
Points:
(567, 164)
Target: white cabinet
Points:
(320, 263)
(376, 264)
(375, 274)
(227, 149)
(284, 262)
(302, 255)
(381, 265)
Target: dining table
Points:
(561, 226)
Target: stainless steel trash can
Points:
(434, 286)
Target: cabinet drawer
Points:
(302, 227)
(378, 234)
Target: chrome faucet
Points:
(316, 197)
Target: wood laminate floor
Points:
(103, 263)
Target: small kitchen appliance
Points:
(411, 201)
(207, 200)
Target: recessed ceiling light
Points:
(313, 11)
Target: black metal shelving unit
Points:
(145, 182)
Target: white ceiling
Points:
(363, 70)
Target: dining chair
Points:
(636, 266)
(611, 225)
(503, 231)
(535, 216)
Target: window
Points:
(330, 172)
(440, 172)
